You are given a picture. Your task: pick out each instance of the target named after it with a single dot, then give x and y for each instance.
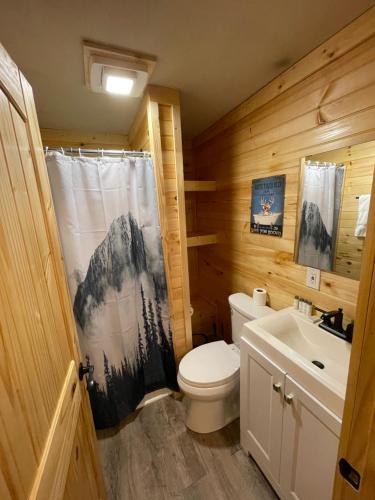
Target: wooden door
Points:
(47, 439)
(357, 444)
(262, 388)
(310, 440)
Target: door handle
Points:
(288, 398)
(277, 387)
(87, 370)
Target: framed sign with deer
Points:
(267, 205)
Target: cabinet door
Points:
(309, 446)
(262, 388)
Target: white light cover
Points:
(118, 85)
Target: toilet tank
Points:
(243, 310)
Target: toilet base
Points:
(209, 416)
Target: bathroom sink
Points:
(312, 356)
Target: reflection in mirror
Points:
(334, 201)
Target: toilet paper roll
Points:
(259, 296)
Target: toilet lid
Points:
(210, 365)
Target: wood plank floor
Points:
(154, 456)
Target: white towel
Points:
(363, 208)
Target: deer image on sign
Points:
(267, 205)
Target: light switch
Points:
(313, 278)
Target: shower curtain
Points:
(109, 228)
(321, 201)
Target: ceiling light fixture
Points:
(118, 82)
(118, 85)
(116, 71)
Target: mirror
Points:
(334, 198)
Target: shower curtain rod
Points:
(99, 152)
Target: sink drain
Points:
(318, 364)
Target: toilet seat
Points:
(210, 365)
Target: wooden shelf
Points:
(200, 185)
(201, 239)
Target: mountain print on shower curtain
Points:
(321, 200)
(109, 226)
(122, 257)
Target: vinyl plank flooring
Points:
(152, 455)
(179, 466)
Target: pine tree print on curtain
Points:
(109, 228)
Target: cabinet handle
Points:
(288, 398)
(277, 387)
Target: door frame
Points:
(357, 441)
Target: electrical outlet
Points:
(313, 278)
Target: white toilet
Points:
(210, 374)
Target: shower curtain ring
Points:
(62, 150)
(102, 152)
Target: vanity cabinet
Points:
(289, 433)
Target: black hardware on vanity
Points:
(87, 370)
(332, 323)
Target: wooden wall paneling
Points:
(189, 171)
(343, 42)
(178, 153)
(56, 138)
(141, 141)
(200, 186)
(200, 240)
(139, 133)
(173, 235)
(163, 95)
(204, 318)
(191, 223)
(190, 216)
(193, 272)
(158, 125)
(332, 83)
(356, 152)
(190, 208)
(322, 103)
(155, 147)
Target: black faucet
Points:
(332, 323)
